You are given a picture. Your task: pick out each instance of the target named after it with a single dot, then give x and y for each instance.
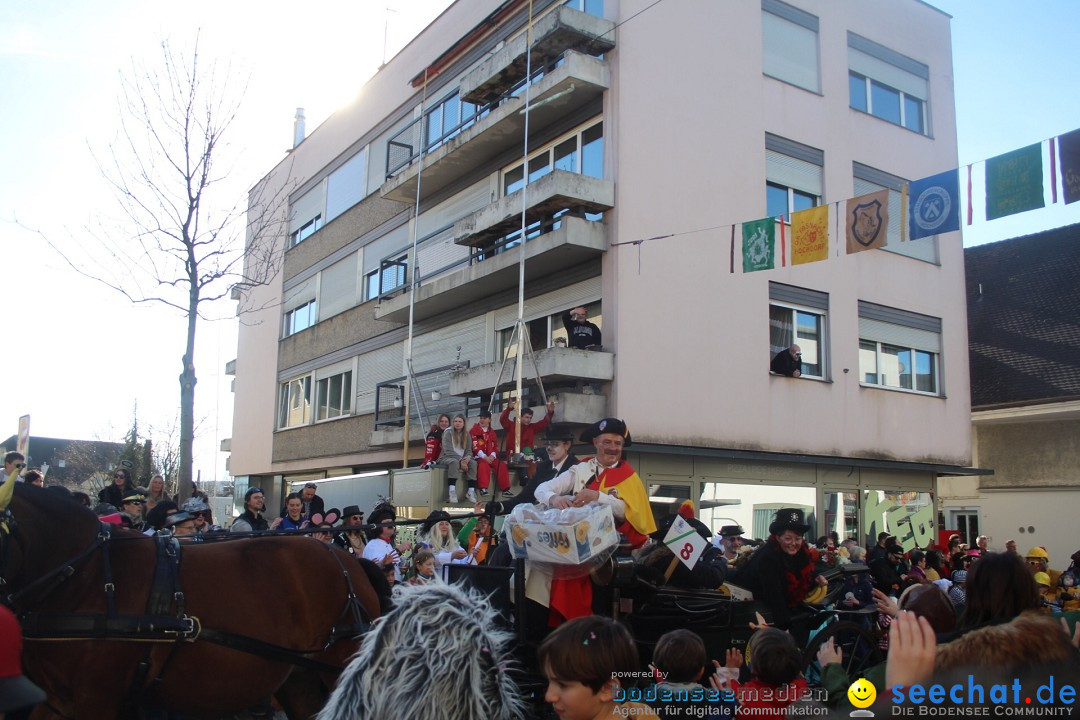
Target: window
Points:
(899, 349)
(797, 317)
(391, 247)
(887, 85)
(447, 119)
(543, 331)
(334, 396)
(790, 41)
(305, 231)
(581, 152)
(793, 176)
(300, 318)
(868, 180)
(294, 403)
(592, 7)
(347, 185)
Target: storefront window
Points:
(907, 515)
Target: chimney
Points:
(298, 127)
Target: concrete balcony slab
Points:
(558, 31)
(579, 81)
(554, 365)
(555, 191)
(577, 241)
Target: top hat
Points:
(789, 519)
(613, 426)
(559, 432)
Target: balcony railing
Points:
(432, 399)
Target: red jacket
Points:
(433, 445)
(527, 431)
(486, 441)
(768, 700)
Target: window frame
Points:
(345, 396)
(866, 55)
(286, 403)
(797, 18)
(935, 359)
(903, 97)
(402, 264)
(305, 231)
(289, 326)
(822, 342)
(548, 150)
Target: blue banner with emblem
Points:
(934, 205)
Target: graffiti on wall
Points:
(908, 516)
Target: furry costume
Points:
(1031, 640)
(438, 655)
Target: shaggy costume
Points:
(438, 655)
(1029, 642)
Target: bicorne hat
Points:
(614, 426)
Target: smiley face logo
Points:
(862, 693)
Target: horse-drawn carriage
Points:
(116, 621)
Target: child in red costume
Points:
(485, 446)
(777, 681)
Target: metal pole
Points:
(521, 249)
(412, 269)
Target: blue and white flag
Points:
(934, 205)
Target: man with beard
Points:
(252, 520)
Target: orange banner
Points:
(810, 235)
(867, 221)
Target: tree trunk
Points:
(187, 403)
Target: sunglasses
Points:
(20, 466)
(115, 477)
(133, 502)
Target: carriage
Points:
(116, 621)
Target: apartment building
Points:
(653, 131)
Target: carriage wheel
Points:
(858, 647)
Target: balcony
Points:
(431, 397)
(558, 190)
(574, 242)
(555, 365)
(579, 80)
(557, 32)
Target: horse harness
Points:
(166, 619)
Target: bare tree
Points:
(180, 240)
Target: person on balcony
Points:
(457, 457)
(788, 362)
(528, 430)
(581, 333)
(485, 448)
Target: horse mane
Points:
(439, 655)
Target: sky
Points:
(81, 358)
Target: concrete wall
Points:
(691, 339)
(348, 435)
(1035, 454)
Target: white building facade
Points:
(670, 127)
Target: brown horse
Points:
(276, 594)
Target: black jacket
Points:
(785, 364)
(544, 472)
(580, 335)
(764, 575)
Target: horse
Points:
(246, 618)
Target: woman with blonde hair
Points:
(437, 536)
(457, 457)
(156, 492)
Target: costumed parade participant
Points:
(605, 479)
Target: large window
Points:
(790, 41)
(898, 349)
(544, 331)
(794, 177)
(582, 152)
(888, 85)
(334, 396)
(300, 318)
(294, 402)
(797, 316)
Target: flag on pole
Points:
(934, 205)
(810, 235)
(866, 223)
(1014, 182)
(759, 245)
(1069, 155)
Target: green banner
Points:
(759, 245)
(1014, 182)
